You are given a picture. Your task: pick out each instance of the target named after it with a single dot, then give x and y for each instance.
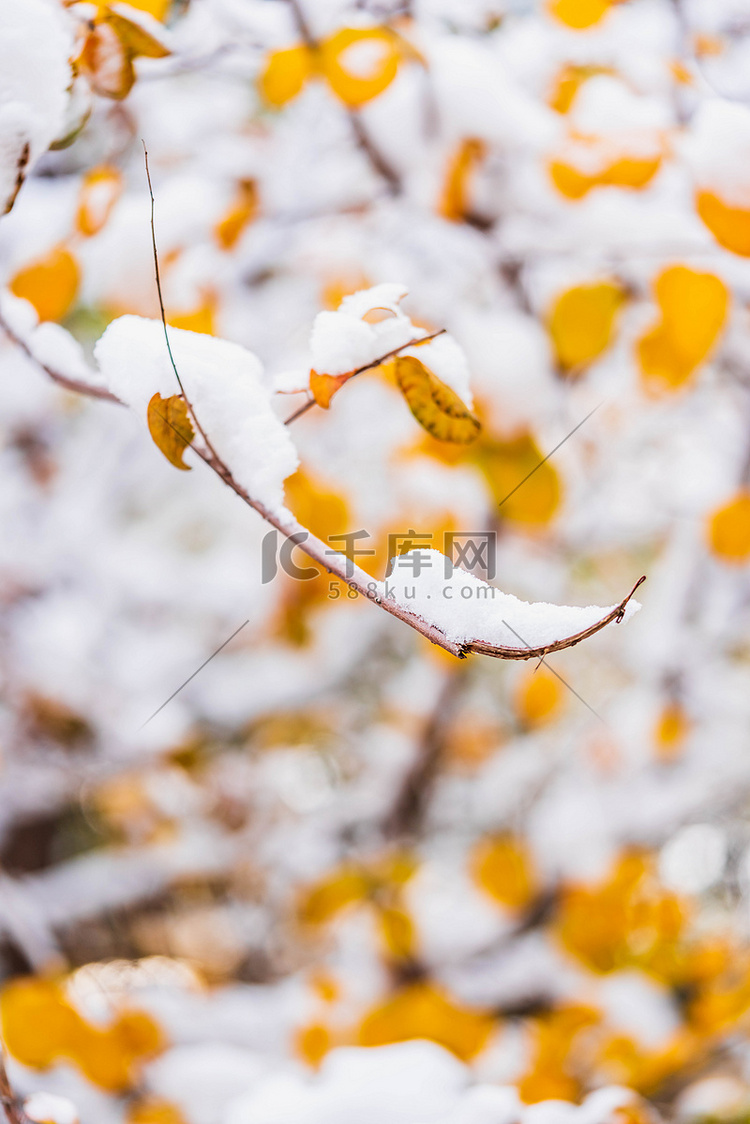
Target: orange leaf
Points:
(730, 226)
(285, 74)
(50, 284)
(107, 63)
(454, 204)
(359, 63)
(243, 210)
(323, 387)
(100, 190)
(170, 427)
(569, 81)
(435, 406)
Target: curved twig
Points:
(502, 653)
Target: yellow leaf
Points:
(285, 74)
(730, 226)
(549, 1076)
(729, 529)
(581, 322)
(152, 1110)
(569, 81)
(312, 1043)
(156, 8)
(243, 210)
(435, 406)
(627, 171)
(170, 427)
(505, 465)
(422, 1010)
(693, 310)
(200, 319)
(107, 63)
(671, 731)
(359, 63)
(316, 505)
(455, 203)
(100, 189)
(329, 897)
(135, 39)
(538, 698)
(579, 14)
(398, 934)
(109, 1058)
(50, 284)
(502, 867)
(38, 1023)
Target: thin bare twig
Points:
(333, 562)
(12, 1105)
(62, 380)
(379, 162)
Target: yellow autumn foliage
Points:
(503, 868)
(729, 529)
(40, 1027)
(423, 1010)
(353, 85)
(51, 283)
(672, 729)
(626, 171)
(515, 466)
(579, 14)
(729, 225)
(354, 80)
(581, 323)
(628, 920)
(455, 203)
(693, 308)
(100, 189)
(538, 697)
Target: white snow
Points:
(343, 341)
(46, 1108)
(224, 384)
(718, 150)
(34, 76)
(466, 608)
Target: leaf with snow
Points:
(35, 74)
(224, 384)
